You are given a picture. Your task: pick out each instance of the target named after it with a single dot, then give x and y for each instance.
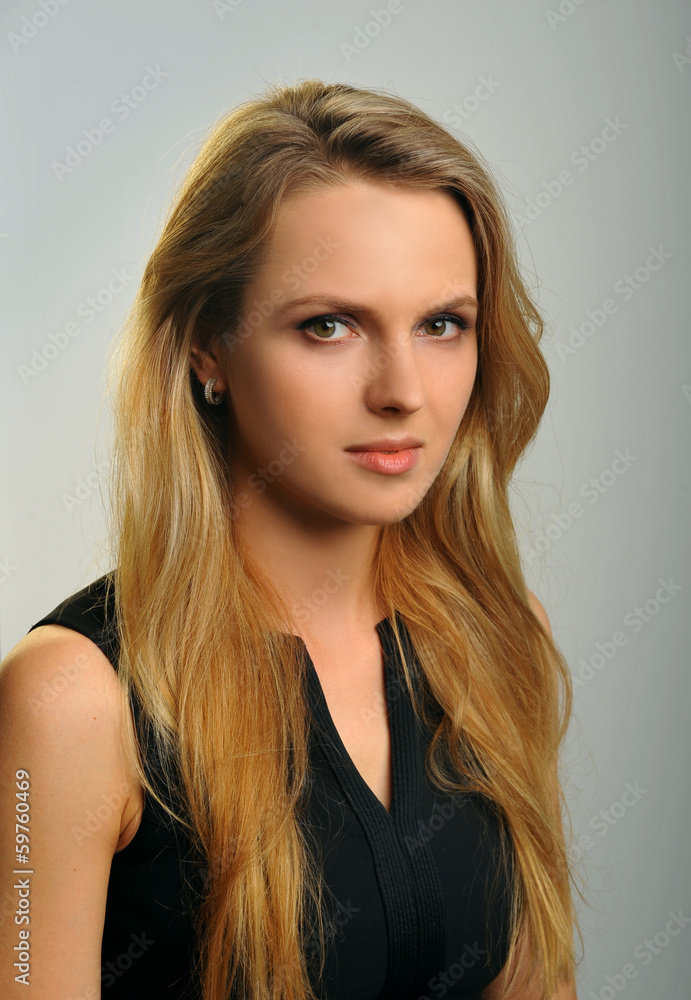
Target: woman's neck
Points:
(322, 568)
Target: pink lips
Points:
(404, 454)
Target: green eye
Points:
(324, 327)
(321, 327)
(443, 320)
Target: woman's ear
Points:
(206, 365)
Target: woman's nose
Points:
(391, 378)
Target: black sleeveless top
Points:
(409, 909)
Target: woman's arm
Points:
(492, 992)
(61, 719)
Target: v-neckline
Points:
(404, 864)
(335, 747)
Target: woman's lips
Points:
(388, 463)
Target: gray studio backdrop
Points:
(582, 108)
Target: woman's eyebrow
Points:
(345, 305)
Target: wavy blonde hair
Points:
(220, 686)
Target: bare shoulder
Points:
(64, 690)
(60, 664)
(67, 731)
(63, 694)
(540, 612)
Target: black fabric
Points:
(409, 913)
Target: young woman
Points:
(326, 761)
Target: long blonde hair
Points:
(219, 685)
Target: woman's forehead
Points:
(362, 226)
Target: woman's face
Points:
(382, 357)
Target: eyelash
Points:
(458, 321)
